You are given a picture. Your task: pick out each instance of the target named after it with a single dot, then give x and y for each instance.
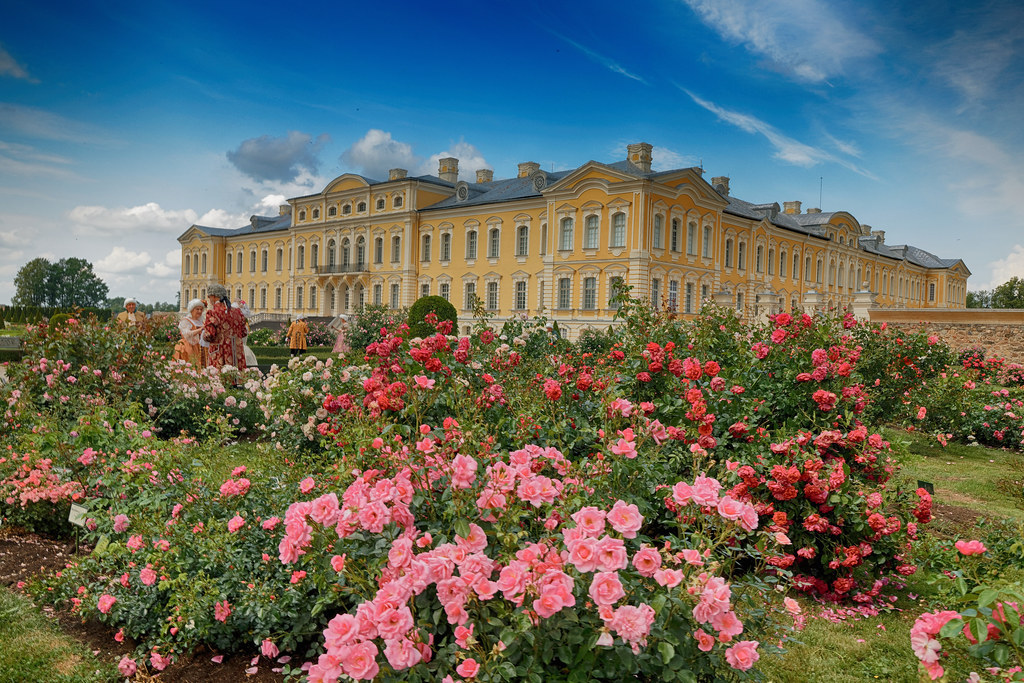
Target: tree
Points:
(1010, 294)
(980, 299)
(30, 288)
(71, 282)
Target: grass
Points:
(981, 480)
(33, 649)
(978, 482)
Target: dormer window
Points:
(347, 209)
(361, 207)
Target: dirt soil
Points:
(24, 555)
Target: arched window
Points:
(591, 232)
(277, 298)
(659, 226)
(316, 214)
(346, 210)
(728, 253)
(263, 299)
(312, 296)
(522, 240)
(332, 253)
(759, 259)
(673, 242)
(818, 271)
(298, 297)
(238, 262)
(302, 215)
(188, 265)
(807, 269)
(332, 211)
(446, 246)
(361, 207)
(691, 239)
(396, 249)
(565, 238)
(543, 238)
(264, 260)
(493, 243)
(314, 255)
(300, 257)
(279, 261)
(252, 261)
(741, 256)
(771, 261)
(361, 252)
(425, 249)
(346, 252)
(397, 201)
(707, 243)
(782, 264)
(471, 244)
(618, 236)
(195, 264)
(380, 204)
(228, 262)
(378, 250)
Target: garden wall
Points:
(999, 331)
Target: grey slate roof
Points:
(256, 224)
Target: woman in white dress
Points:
(190, 349)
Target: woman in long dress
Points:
(224, 329)
(340, 326)
(191, 326)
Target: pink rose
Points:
(468, 668)
(235, 523)
(360, 661)
(127, 666)
(121, 523)
(742, 655)
(647, 561)
(970, 547)
(105, 603)
(625, 518)
(147, 576)
(606, 588)
(268, 648)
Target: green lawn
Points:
(33, 649)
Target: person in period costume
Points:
(131, 319)
(191, 326)
(224, 330)
(340, 326)
(297, 332)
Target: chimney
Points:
(639, 154)
(527, 168)
(721, 184)
(398, 173)
(880, 234)
(284, 209)
(484, 175)
(813, 210)
(792, 207)
(448, 169)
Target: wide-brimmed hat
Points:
(195, 302)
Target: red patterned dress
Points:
(225, 329)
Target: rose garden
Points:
(670, 501)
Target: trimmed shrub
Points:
(439, 306)
(59, 320)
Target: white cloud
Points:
(39, 123)
(25, 160)
(150, 217)
(120, 260)
(278, 159)
(377, 152)
(786, 148)
(665, 159)
(806, 39)
(219, 218)
(470, 161)
(1005, 268)
(606, 62)
(13, 238)
(10, 67)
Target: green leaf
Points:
(667, 651)
(952, 628)
(986, 597)
(1017, 636)
(1001, 653)
(659, 602)
(979, 629)
(462, 528)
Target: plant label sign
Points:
(77, 515)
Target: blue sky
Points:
(122, 123)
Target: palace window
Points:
(314, 255)
(522, 240)
(656, 293)
(301, 257)
(471, 245)
(380, 204)
(728, 253)
(378, 250)
(492, 296)
(332, 211)
(741, 256)
(589, 293)
(565, 238)
(238, 263)
(691, 239)
(347, 209)
(618, 230)
(469, 297)
(591, 232)
(425, 289)
(673, 242)
(204, 264)
(228, 263)
(298, 297)
(614, 290)
(446, 246)
(312, 296)
(659, 228)
(378, 294)
(444, 290)
(396, 249)
(673, 295)
(706, 246)
(397, 201)
(688, 299)
(394, 295)
(425, 249)
(564, 293)
(521, 295)
(493, 243)
(264, 258)
(361, 207)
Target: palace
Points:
(559, 243)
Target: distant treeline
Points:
(33, 314)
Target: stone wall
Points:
(999, 331)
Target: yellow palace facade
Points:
(559, 243)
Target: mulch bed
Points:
(24, 555)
